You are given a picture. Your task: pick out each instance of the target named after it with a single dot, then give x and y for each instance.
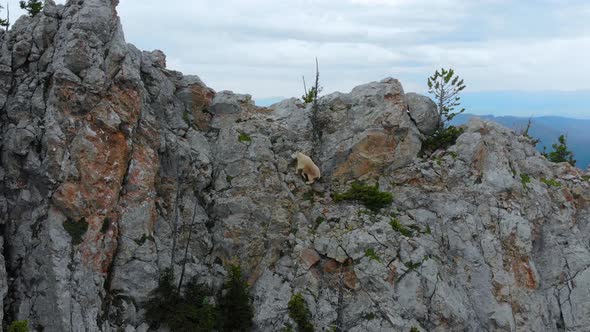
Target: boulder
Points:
(363, 132)
(424, 112)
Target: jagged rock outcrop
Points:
(110, 163)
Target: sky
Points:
(261, 47)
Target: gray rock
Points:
(365, 130)
(423, 111)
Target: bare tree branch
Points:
(188, 242)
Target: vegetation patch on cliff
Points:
(372, 255)
(19, 326)
(551, 182)
(76, 229)
(368, 195)
(235, 307)
(525, 179)
(188, 312)
(398, 227)
(191, 310)
(244, 138)
(299, 312)
(441, 139)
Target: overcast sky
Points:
(262, 47)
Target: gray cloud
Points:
(263, 47)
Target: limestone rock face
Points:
(113, 168)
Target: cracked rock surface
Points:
(110, 162)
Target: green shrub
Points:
(310, 95)
(199, 315)
(299, 312)
(161, 308)
(398, 227)
(189, 312)
(551, 182)
(372, 255)
(438, 161)
(33, 7)
(19, 326)
(586, 177)
(370, 196)
(414, 329)
(525, 179)
(560, 152)
(441, 139)
(76, 229)
(244, 138)
(412, 266)
(235, 308)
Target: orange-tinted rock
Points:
(350, 279)
(331, 266)
(201, 98)
(392, 275)
(309, 257)
(99, 249)
(100, 153)
(126, 102)
(368, 156)
(101, 161)
(524, 274)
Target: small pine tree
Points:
(560, 152)
(33, 7)
(445, 86)
(161, 308)
(310, 95)
(19, 326)
(189, 312)
(200, 314)
(235, 308)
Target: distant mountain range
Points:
(548, 129)
(573, 104)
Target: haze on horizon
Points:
(518, 58)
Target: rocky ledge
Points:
(111, 165)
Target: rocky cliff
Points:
(113, 166)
